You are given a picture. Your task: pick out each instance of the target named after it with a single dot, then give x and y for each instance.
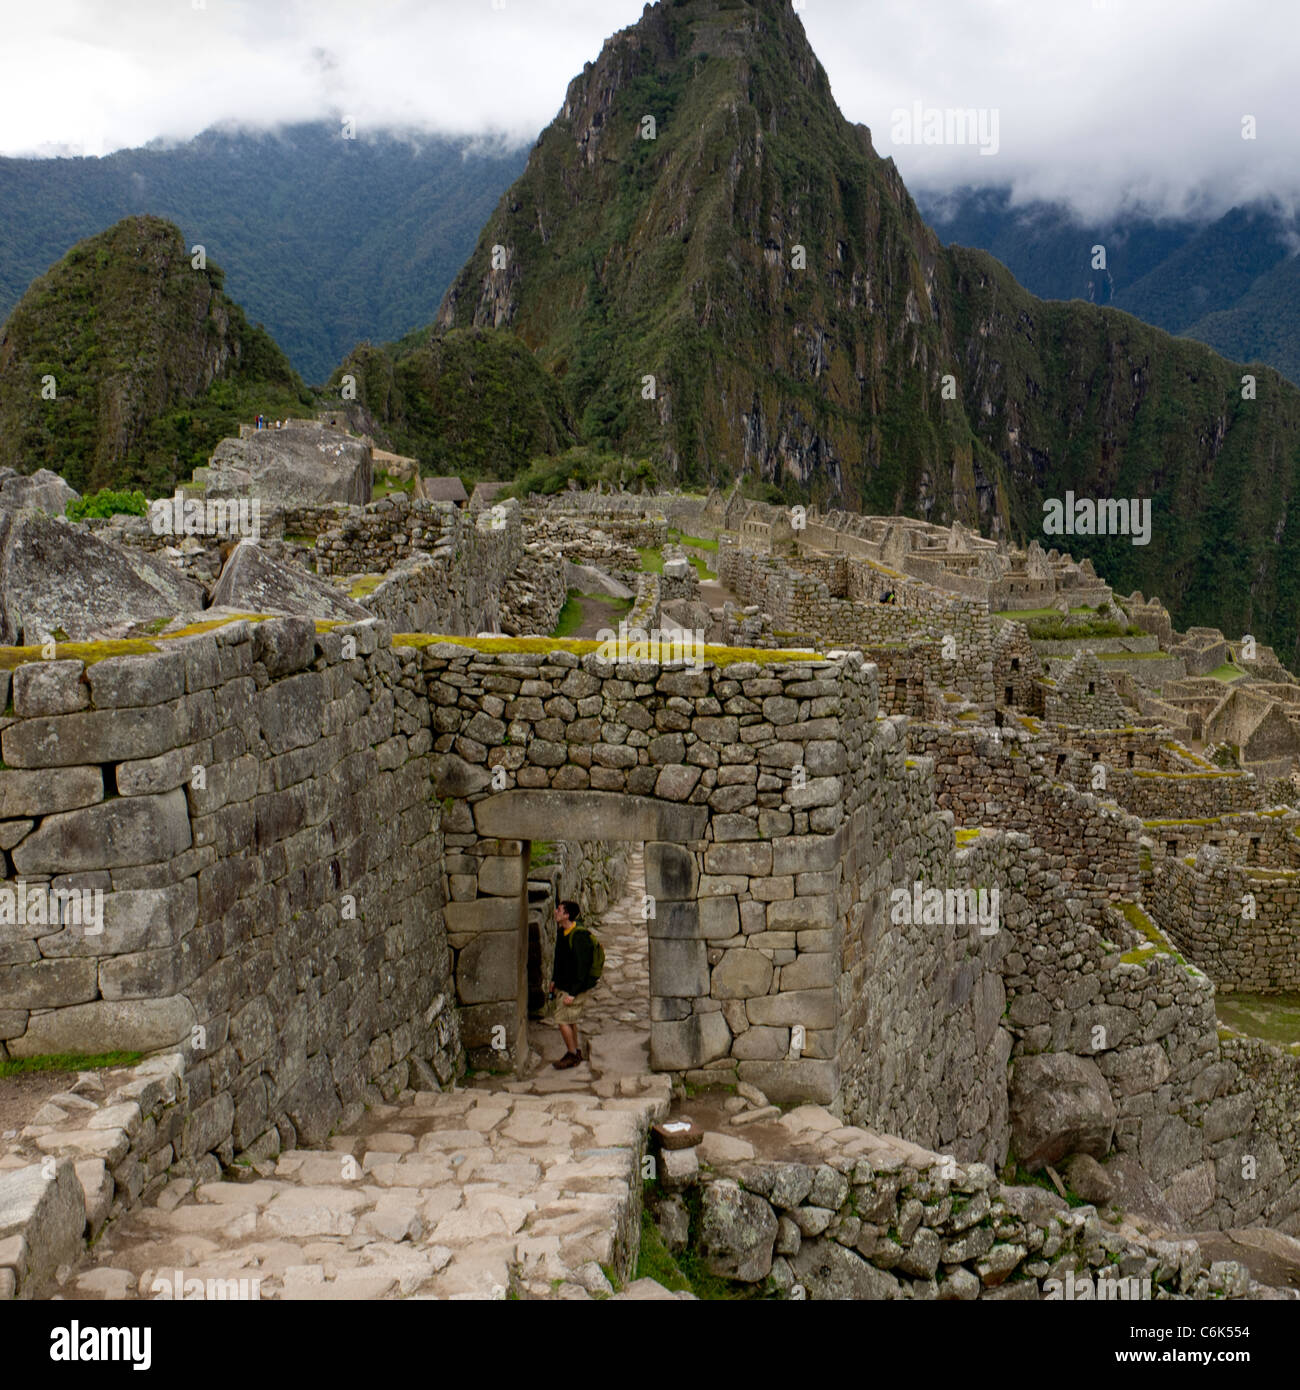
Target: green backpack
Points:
(597, 960)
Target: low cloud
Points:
(1100, 103)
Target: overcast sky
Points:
(1095, 100)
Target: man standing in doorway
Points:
(573, 960)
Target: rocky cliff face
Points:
(752, 290)
(127, 362)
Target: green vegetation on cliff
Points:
(474, 403)
(124, 366)
(659, 282)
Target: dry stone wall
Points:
(253, 805)
(1241, 924)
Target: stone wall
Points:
(457, 588)
(1267, 838)
(1239, 923)
(1002, 781)
(736, 779)
(253, 803)
(856, 1217)
(1187, 795)
(801, 605)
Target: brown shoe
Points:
(570, 1059)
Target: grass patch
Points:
(654, 1261)
(699, 542)
(386, 486)
(652, 559)
(571, 614)
(1015, 1176)
(366, 584)
(1022, 615)
(1227, 672)
(1157, 942)
(1274, 1018)
(89, 652)
(67, 1061)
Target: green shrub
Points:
(106, 502)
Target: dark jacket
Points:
(573, 954)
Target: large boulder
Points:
(58, 576)
(589, 579)
(42, 491)
(1060, 1105)
(252, 582)
(304, 464)
(737, 1233)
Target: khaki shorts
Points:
(568, 1013)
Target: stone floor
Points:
(517, 1188)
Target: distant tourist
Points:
(577, 968)
(887, 597)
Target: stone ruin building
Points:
(925, 898)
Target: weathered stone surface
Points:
(252, 582)
(130, 830)
(47, 984)
(740, 974)
(136, 1025)
(689, 1043)
(1060, 1105)
(284, 645)
(785, 1081)
(56, 575)
(94, 736)
(671, 873)
(42, 490)
(678, 969)
(828, 1271)
(488, 968)
(123, 681)
(534, 815)
(814, 1008)
(737, 1233)
(50, 687)
(301, 465)
(49, 1213)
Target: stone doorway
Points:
(488, 931)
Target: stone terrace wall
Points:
(1002, 783)
(458, 588)
(254, 803)
(802, 604)
(1188, 795)
(1190, 1112)
(923, 1053)
(1200, 905)
(376, 538)
(1266, 838)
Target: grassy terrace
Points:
(716, 656)
(1020, 615)
(1275, 1018)
(1227, 673)
(1157, 943)
(91, 652)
